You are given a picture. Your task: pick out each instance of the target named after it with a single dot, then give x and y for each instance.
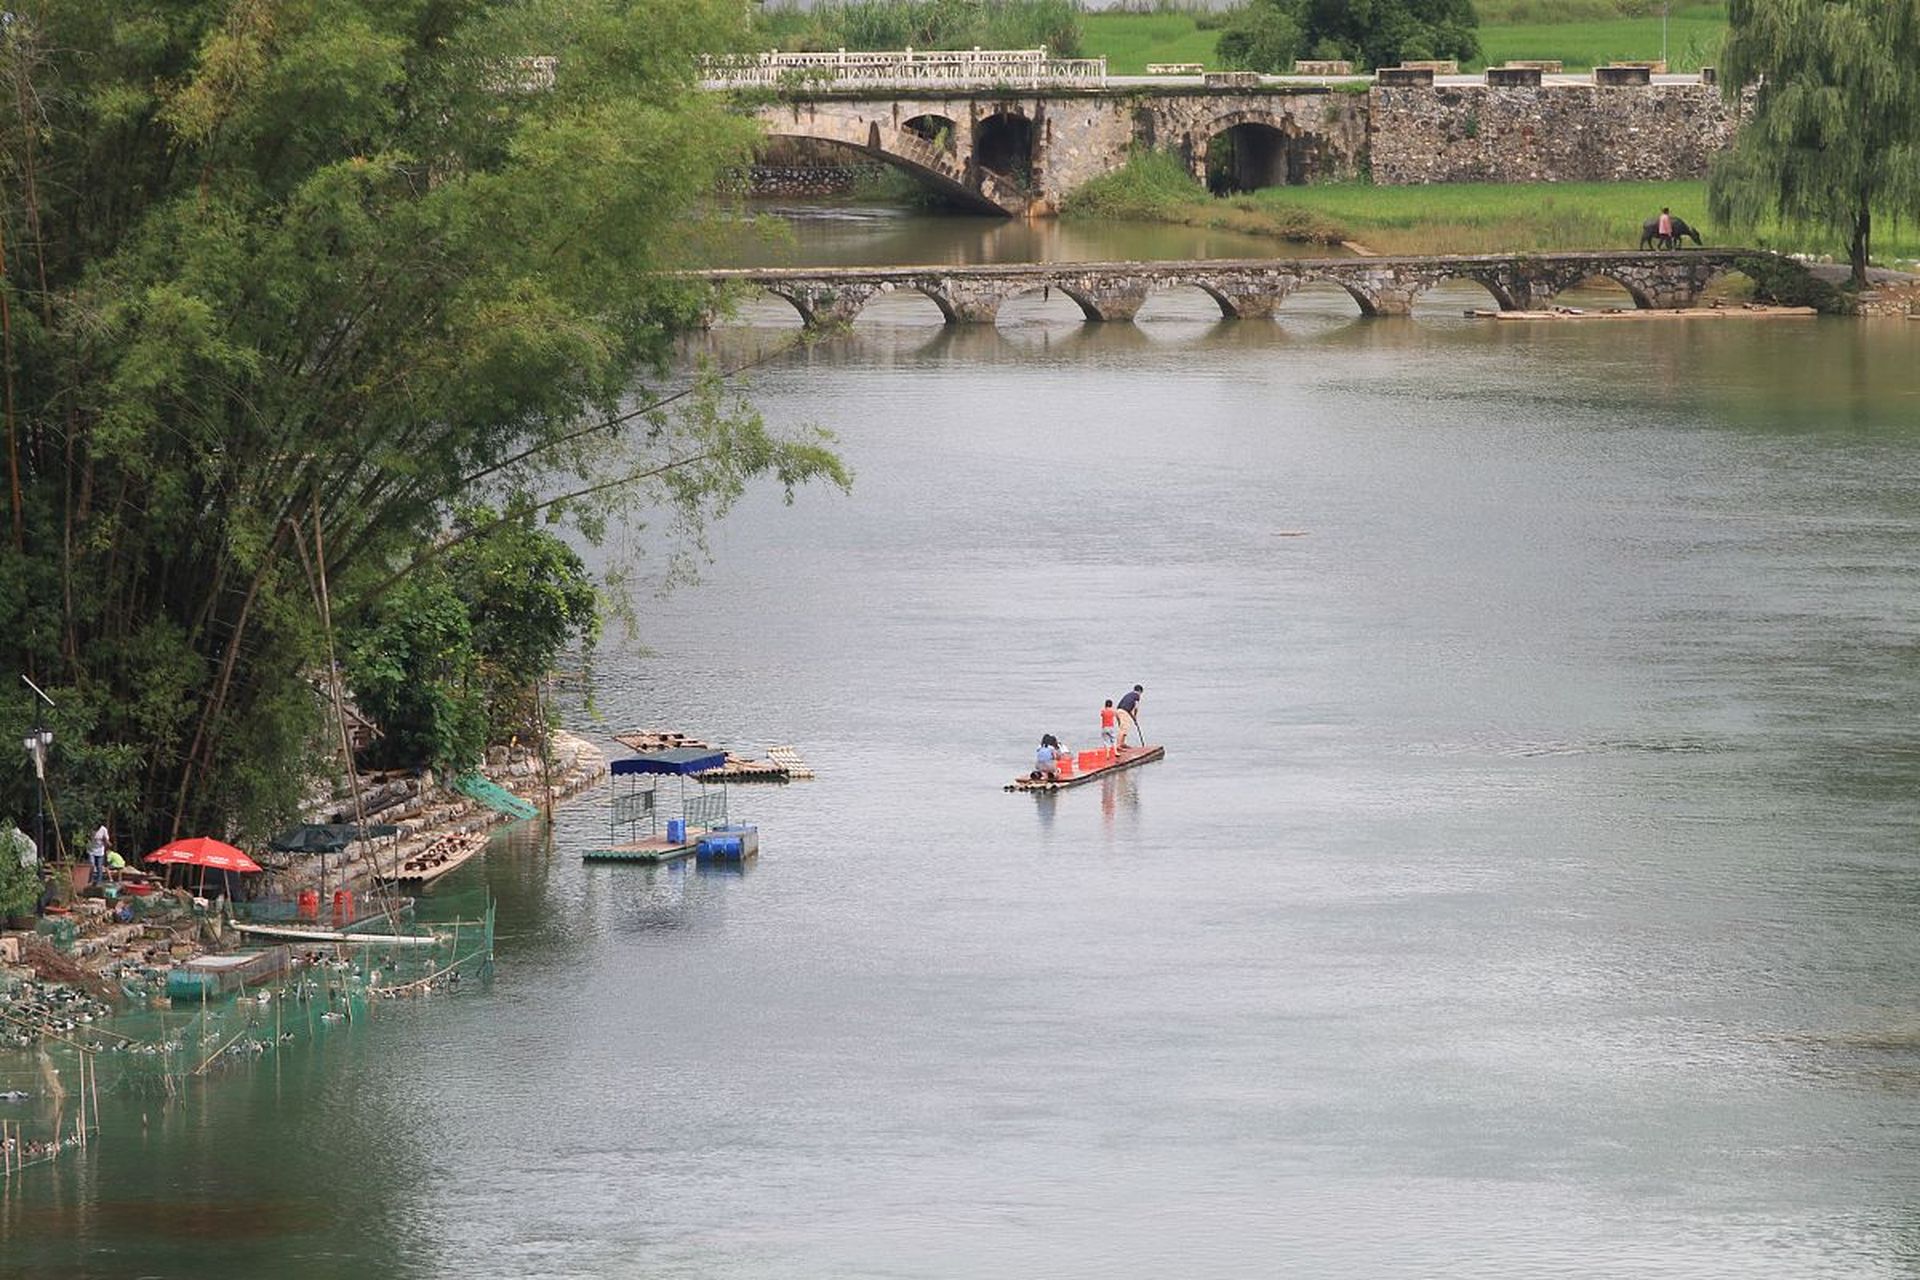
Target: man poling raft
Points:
(1122, 747)
(1128, 713)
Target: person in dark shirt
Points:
(1129, 709)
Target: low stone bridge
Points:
(1243, 288)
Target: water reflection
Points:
(834, 232)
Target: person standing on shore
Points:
(97, 855)
(1129, 714)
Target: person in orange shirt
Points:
(1109, 721)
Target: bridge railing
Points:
(885, 68)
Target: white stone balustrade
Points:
(1022, 68)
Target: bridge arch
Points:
(1368, 304)
(1642, 300)
(942, 131)
(1003, 143)
(1502, 297)
(924, 161)
(1249, 150)
(798, 300)
(1089, 306)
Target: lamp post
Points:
(36, 744)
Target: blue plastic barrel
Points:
(676, 830)
(721, 846)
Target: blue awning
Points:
(681, 760)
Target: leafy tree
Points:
(283, 283)
(1262, 35)
(528, 597)
(1267, 35)
(1835, 131)
(414, 670)
(20, 885)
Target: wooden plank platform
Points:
(1129, 757)
(789, 759)
(655, 850)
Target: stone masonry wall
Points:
(1554, 133)
(1397, 135)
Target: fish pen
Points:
(146, 1032)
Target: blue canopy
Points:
(681, 760)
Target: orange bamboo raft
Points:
(1121, 758)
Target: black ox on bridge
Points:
(1244, 288)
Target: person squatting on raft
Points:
(1046, 760)
(1128, 714)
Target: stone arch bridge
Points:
(1002, 151)
(1242, 288)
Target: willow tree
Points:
(1835, 132)
(284, 284)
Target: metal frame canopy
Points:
(674, 760)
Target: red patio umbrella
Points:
(203, 851)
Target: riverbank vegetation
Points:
(1154, 186)
(1440, 218)
(285, 290)
(1834, 140)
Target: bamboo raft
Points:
(1129, 757)
(446, 854)
(782, 764)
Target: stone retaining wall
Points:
(1553, 133)
(424, 811)
(809, 180)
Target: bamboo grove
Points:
(284, 285)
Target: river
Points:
(1529, 890)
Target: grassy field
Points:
(1129, 41)
(1694, 33)
(1492, 218)
(1588, 36)
(1445, 218)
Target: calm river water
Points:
(1530, 888)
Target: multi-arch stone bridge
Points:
(1242, 288)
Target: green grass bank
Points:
(1449, 218)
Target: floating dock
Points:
(782, 764)
(653, 849)
(725, 843)
(1125, 758)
